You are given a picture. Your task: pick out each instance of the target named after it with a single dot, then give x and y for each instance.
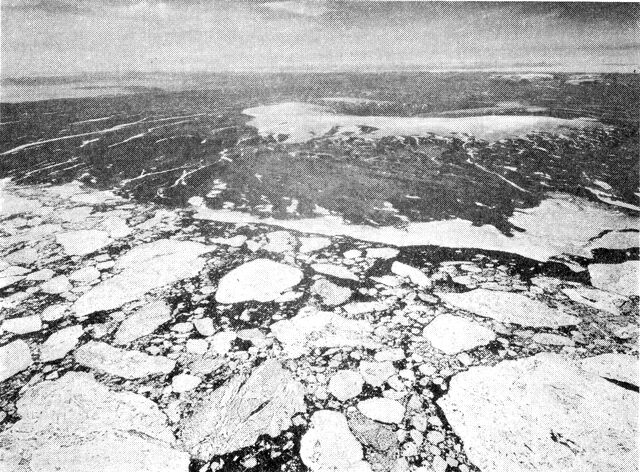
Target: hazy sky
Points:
(60, 37)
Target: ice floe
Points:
(542, 413)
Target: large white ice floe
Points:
(75, 423)
(330, 446)
(618, 278)
(11, 204)
(509, 307)
(311, 329)
(142, 269)
(453, 334)
(121, 362)
(14, 357)
(262, 280)
(303, 121)
(234, 415)
(83, 242)
(143, 322)
(542, 413)
(614, 366)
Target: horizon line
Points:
(625, 69)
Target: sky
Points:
(68, 37)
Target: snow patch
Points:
(303, 121)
